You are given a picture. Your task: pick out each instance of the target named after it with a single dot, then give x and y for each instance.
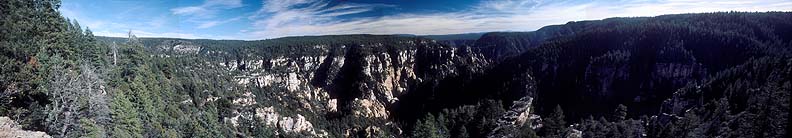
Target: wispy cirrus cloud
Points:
(286, 18)
(141, 33)
(316, 17)
(262, 19)
(205, 15)
(208, 24)
(145, 18)
(208, 9)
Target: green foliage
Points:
(554, 125)
(755, 105)
(602, 128)
(525, 131)
(427, 128)
(455, 122)
(255, 127)
(620, 113)
(126, 120)
(442, 126)
(462, 133)
(92, 130)
(487, 116)
(29, 27)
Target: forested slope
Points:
(706, 63)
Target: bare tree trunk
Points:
(115, 53)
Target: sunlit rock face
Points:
(288, 124)
(10, 129)
(177, 47)
(294, 91)
(519, 114)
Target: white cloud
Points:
(315, 17)
(317, 8)
(141, 33)
(279, 18)
(189, 10)
(152, 26)
(204, 15)
(281, 5)
(209, 24)
(208, 9)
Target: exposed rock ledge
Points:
(10, 129)
(518, 115)
(288, 124)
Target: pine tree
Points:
(126, 121)
(603, 129)
(91, 129)
(620, 113)
(463, 133)
(260, 130)
(442, 126)
(719, 119)
(688, 126)
(526, 131)
(426, 128)
(486, 117)
(554, 125)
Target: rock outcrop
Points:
(10, 129)
(518, 115)
(292, 91)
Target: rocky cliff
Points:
(294, 91)
(9, 128)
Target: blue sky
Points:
(264, 19)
